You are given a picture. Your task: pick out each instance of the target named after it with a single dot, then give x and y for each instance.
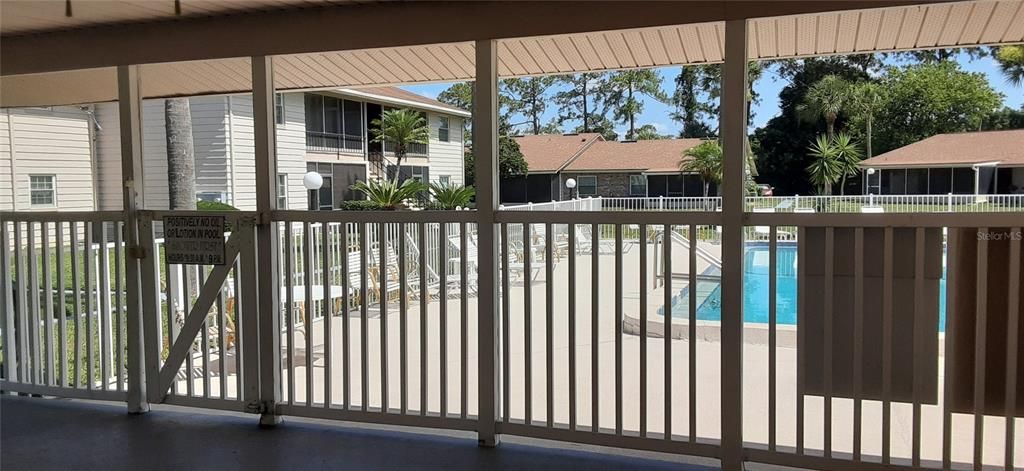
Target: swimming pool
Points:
(755, 290)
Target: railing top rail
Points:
(375, 216)
(995, 219)
(61, 216)
(611, 217)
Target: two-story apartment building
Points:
(68, 158)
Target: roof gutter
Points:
(403, 102)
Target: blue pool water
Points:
(755, 290)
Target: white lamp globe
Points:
(871, 171)
(570, 183)
(312, 181)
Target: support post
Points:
(734, 132)
(485, 148)
(130, 115)
(266, 240)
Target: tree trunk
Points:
(181, 182)
(830, 124)
(632, 129)
(181, 159)
(869, 137)
(399, 155)
(586, 115)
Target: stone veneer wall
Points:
(608, 184)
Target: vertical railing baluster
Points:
(403, 320)
(347, 288)
(506, 345)
(527, 278)
(382, 277)
(442, 241)
(48, 306)
(549, 336)
(222, 353)
(918, 346)
(308, 307)
(77, 288)
(204, 340)
(289, 308)
(1012, 345)
(595, 312)
(9, 328)
(119, 302)
(62, 357)
(325, 278)
(643, 329)
(887, 301)
(618, 329)
(827, 341)
(980, 348)
(773, 256)
(667, 328)
(464, 325)
(89, 272)
(691, 328)
(186, 293)
(801, 335)
(858, 339)
(572, 327)
(424, 301)
(33, 313)
(363, 315)
(103, 291)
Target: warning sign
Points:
(194, 240)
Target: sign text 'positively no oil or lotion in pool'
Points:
(194, 240)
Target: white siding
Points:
(446, 158)
(209, 138)
(47, 142)
(108, 158)
(291, 148)
(6, 190)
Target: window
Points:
(443, 129)
(282, 191)
(637, 185)
(42, 190)
(445, 180)
(279, 108)
(586, 186)
(326, 193)
(333, 124)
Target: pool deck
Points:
(707, 374)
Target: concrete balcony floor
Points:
(48, 434)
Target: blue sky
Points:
(768, 88)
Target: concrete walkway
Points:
(43, 434)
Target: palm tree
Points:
(181, 177)
(705, 160)
(1011, 63)
(826, 169)
(848, 155)
(401, 128)
(625, 87)
(865, 101)
(825, 99)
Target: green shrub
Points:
(448, 197)
(389, 194)
(214, 206)
(364, 205)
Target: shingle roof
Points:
(652, 156)
(959, 149)
(550, 152)
(395, 93)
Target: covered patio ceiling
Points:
(931, 25)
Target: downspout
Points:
(94, 128)
(231, 152)
(14, 160)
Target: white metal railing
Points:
(788, 204)
(63, 298)
(610, 333)
(392, 342)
